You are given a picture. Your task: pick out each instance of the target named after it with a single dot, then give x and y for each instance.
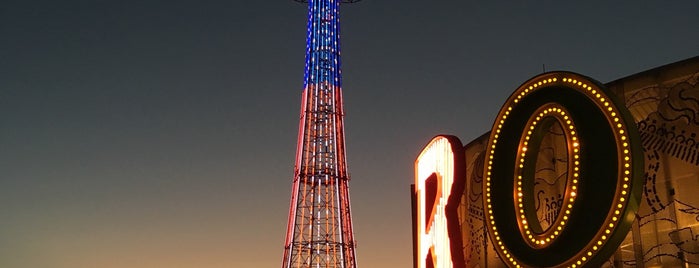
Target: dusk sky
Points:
(148, 134)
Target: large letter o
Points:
(603, 186)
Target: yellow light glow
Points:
(560, 114)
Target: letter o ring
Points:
(604, 178)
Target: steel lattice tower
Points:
(319, 231)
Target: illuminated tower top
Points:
(342, 1)
(323, 42)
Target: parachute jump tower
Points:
(319, 231)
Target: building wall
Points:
(665, 106)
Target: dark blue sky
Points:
(162, 133)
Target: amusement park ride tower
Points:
(319, 231)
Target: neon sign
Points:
(438, 187)
(604, 180)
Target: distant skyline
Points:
(163, 133)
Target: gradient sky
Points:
(156, 133)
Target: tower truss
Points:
(319, 231)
